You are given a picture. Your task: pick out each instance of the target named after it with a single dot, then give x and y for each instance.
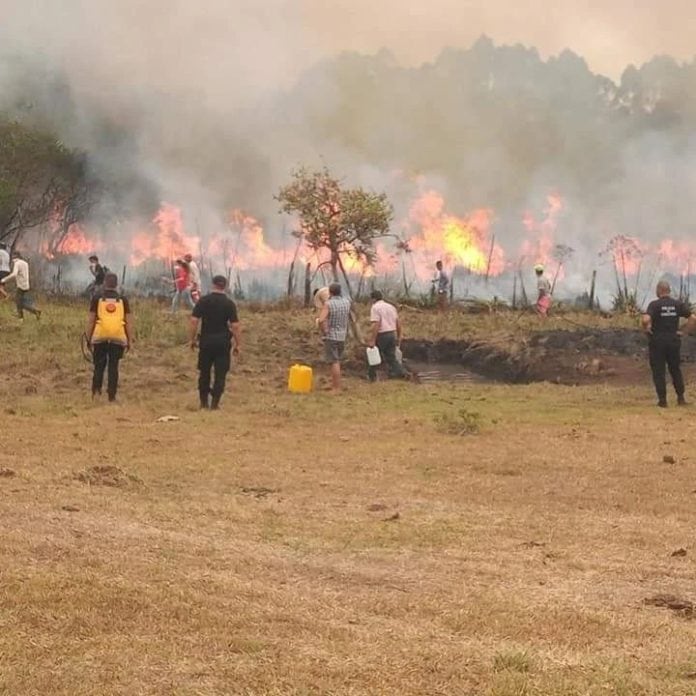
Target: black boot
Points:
(681, 401)
(662, 403)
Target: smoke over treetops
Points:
(528, 152)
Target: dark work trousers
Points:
(386, 342)
(666, 350)
(106, 355)
(214, 354)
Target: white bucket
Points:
(373, 357)
(399, 355)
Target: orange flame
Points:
(457, 241)
(170, 241)
(538, 246)
(679, 255)
(75, 242)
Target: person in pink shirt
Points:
(385, 333)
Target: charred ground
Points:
(564, 356)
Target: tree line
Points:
(494, 123)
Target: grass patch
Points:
(464, 422)
(512, 661)
(332, 545)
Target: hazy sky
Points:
(256, 44)
(608, 33)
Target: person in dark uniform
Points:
(661, 323)
(98, 272)
(216, 315)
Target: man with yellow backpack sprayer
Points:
(110, 333)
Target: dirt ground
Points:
(441, 538)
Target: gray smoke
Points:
(210, 105)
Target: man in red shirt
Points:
(182, 285)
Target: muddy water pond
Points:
(442, 372)
(562, 357)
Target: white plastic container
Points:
(399, 355)
(373, 357)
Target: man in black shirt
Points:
(661, 323)
(98, 271)
(217, 317)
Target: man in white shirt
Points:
(4, 267)
(321, 297)
(386, 335)
(20, 274)
(194, 278)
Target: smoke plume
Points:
(210, 105)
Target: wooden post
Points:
(123, 276)
(291, 280)
(360, 285)
(514, 293)
(555, 277)
(407, 292)
(593, 285)
(490, 258)
(345, 278)
(308, 284)
(523, 292)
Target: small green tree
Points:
(37, 173)
(344, 222)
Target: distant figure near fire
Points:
(544, 300)
(182, 285)
(216, 315)
(661, 323)
(4, 267)
(23, 298)
(194, 278)
(321, 297)
(441, 285)
(98, 272)
(109, 332)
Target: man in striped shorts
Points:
(333, 320)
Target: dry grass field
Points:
(396, 539)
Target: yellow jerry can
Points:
(300, 379)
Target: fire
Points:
(247, 247)
(457, 241)
(75, 242)
(627, 254)
(679, 255)
(241, 246)
(539, 243)
(169, 242)
(429, 232)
